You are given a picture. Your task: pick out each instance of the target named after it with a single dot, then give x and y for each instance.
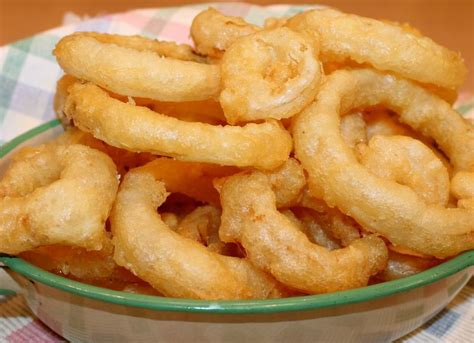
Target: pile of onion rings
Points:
(315, 154)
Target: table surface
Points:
(448, 22)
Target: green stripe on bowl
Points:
(302, 303)
(7, 147)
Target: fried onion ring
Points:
(385, 46)
(273, 23)
(342, 227)
(139, 129)
(382, 123)
(124, 160)
(353, 129)
(392, 210)
(400, 266)
(60, 96)
(176, 266)
(190, 178)
(282, 75)
(314, 228)
(173, 50)
(287, 182)
(206, 111)
(202, 225)
(75, 262)
(117, 67)
(408, 162)
(55, 194)
(277, 246)
(350, 39)
(462, 185)
(213, 32)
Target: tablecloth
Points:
(28, 74)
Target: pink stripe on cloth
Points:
(133, 18)
(464, 97)
(236, 9)
(34, 332)
(176, 32)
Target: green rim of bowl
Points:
(7, 292)
(301, 303)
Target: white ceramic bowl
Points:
(378, 313)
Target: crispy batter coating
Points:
(400, 266)
(78, 263)
(213, 32)
(270, 74)
(287, 182)
(190, 178)
(140, 129)
(167, 49)
(55, 194)
(409, 162)
(124, 160)
(276, 245)
(379, 205)
(384, 46)
(131, 72)
(348, 39)
(176, 266)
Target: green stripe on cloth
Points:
(7, 87)
(16, 57)
(42, 46)
(464, 108)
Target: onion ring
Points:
(190, 178)
(312, 227)
(287, 182)
(360, 127)
(202, 225)
(167, 49)
(382, 123)
(379, 205)
(400, 266)
(282, 75)
(176, 266)
(131, 72)
(124, 160)
(385, 46)
(353, 129)
(94, 111)
(462, 185)
(206, 111)
(274, 244)
(213, 32)
(170, 219)
(273, 23)
(60, 96)
(341, 227)
(408, 162)
(347, 38)
(74, 262)
(56, 194)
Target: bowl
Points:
(85, 313)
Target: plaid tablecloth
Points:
(28, 74)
